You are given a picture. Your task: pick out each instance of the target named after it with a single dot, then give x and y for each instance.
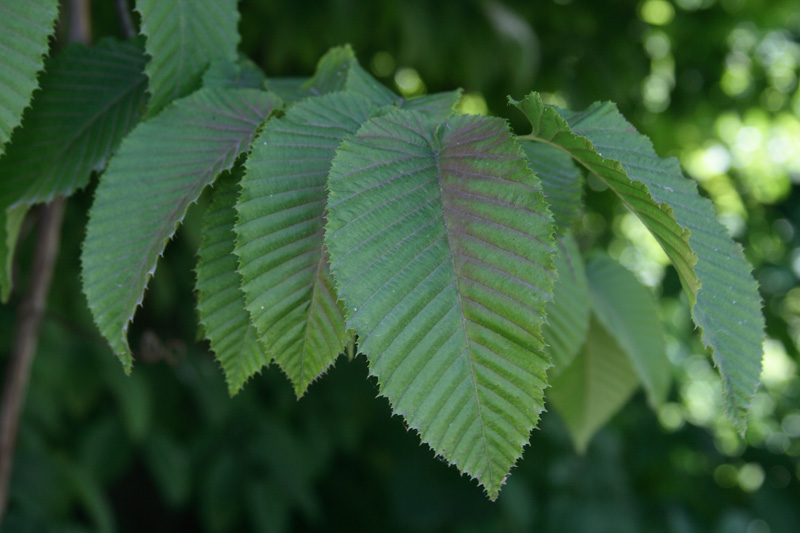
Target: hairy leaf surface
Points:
(283, 261)
(568, 313)
(183, 36)
(724, 296)
(594, 387)
(25, 27)
(220, 301)
(161, 168)
(90, 99)
(561, 181)
(629, 312)
(441, 245)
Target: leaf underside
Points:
(568, 313)
(562, 182)
(728, 307)
(283, 261)
(629, 312)
(161, 168)
(183, 36)
(441, 245)
(90, 99)
(220, 301)
(25, 27)
(594, 387)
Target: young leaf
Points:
(90, 99)
(161, 168)
(629, 312)
(561, 181)
(728, 307)
(283, 261)
(594, 387)
(183, 36)
(568, 313)
(441, 244)
(25, 27)
(220, 301)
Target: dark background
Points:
(711, 82)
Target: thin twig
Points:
(29, 317)
(125, 20)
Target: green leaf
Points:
(728, 307)
(283, 261)
(90, 99)
(25, 28)
(220, 301)
(568, 313)
(629, 312)
(594, 387)
(441, 244)
(561, 181)
(161, 168)
(243, 74)
(183, 36)
(439, 105)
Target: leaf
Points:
(25, 28)
(441, 245)
(90, 99)
(728, 307)
(561, 181)
(629, 312)
(594, 387)
(283, 262)
(161, 168)
(242, 74)
(183, 36)
(438, 105)
(220, 301)
(568, 313)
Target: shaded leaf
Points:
(568, 313)
(161, 168)
(594, 387)
(438, 105)
(441, 245)
(728, 307)
(242, 74)
(90, 99)
(183, 36)
(25, 27)
(283, 261)
(561, 181)
(220, 301)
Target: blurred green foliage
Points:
(713, 82)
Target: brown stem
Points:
(124, 16)
(29, 317)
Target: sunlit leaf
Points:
(161, 168)
(441, 245)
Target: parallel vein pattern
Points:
(182, 37)
(441, 244)
(90, 99)
(561, 181)
(283, 261)
(161, 168)
(568, 313)
(220, 301)
(728, 307)
(25, 27)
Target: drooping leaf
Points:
(90, 99)
(594, 387)
(161, 168)
(25, 27)
(567, 314)
(242, 74)
(724, 296)
(629, 312)
(561, 181)
(441, 245)
(283, 261)
(220, 301)
(183, 36)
